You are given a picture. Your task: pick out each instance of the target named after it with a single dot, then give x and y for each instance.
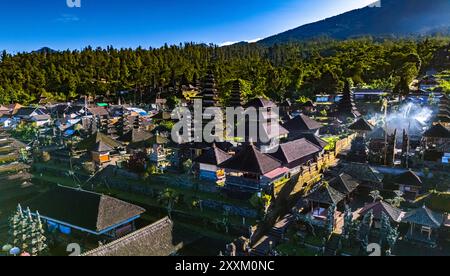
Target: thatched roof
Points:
(361, 125)
(92, 211)
(344, 183)
(260, 103)
(424, 216)
(380, 207)
(313, 139)
(326, 194)
(213, 156)
(409, 178)
(135, 136)
(151, 241)
(302, 123)
(251, 160)
(98, 142)
(363, 172)
(296, 152)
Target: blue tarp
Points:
(207, 175)
(65, 230)
(69, 132)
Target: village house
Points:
(209, 162)
(437, 142)
(14, 108)
(367, 176)
(4, 110)
(28, 113)
(100, 147)
(369, 95)
(6, 121)
(302, 124)
(346, 185)
(67, 210)
(424, 226)
(410, 184)
(316, 140)
(379, 208)
(296, 154)
(362, 127)
(267, 130)
(137, 139)
(252, 171)
(321, 199)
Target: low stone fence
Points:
(310, 174)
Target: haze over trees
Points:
(281, 71)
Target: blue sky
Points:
(31, 24)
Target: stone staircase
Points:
(274, 237)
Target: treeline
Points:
(278, 72)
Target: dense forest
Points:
(279, 72)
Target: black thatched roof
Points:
(344, 183)
(213, 156)
(135, 136)
(302, 123)
(437, 131)
(361, 125)
(98, 141)
(326, 194)
(313, 139)
(363, 172)
(296, 152)
(25, 111)
(102, 147)
(260, 103)
(266, 132)
(381, 207)
(425, 217)
(91, 211)
(251, 160)
(409, 178)
(152, 241)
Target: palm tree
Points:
(169, 198)
(397, 200)
(376, 195)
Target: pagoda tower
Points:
(210, 95)
(346, 107)
(236, 99)
(443, 116)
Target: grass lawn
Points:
(189, 192)
(64, 181)
(181, 207)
